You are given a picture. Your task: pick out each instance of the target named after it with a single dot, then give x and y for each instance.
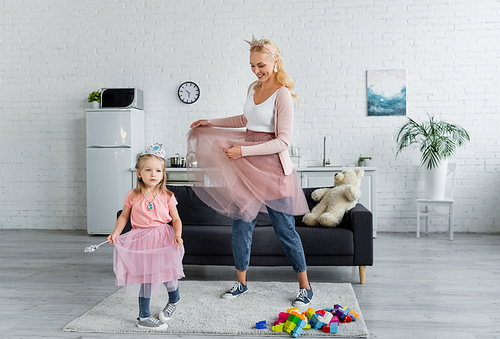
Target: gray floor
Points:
(418, 288)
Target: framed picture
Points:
(386, 92)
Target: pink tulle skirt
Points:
(243, 187)
(148, 255)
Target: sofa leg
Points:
(362, 274)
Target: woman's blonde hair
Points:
(140, 184)
(282, 76)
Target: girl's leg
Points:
(173, 292)
(173, 299)
(144, 300)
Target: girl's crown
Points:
(155, 149)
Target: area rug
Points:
(202, 310)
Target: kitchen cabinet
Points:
(323, 177)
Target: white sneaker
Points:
(151, 323)
(168, 311)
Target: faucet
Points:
(326, 161)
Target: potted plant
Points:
(364, 161)
(438, 141)
(94, 98)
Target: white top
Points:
(260, 117)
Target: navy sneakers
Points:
(237, 290)
(304, 297)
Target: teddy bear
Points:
(334, 202)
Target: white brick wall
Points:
(55, 52)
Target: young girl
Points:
(150, 255)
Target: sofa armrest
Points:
(128, 226)
(361, 223)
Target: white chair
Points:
(446, 202)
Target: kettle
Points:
(191, 160)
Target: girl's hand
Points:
(201, 122)
(112, 237)
(178, 241)
(233, 153)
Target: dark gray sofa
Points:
(207, 237)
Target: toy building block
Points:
(351, 312)
(309, 313)
(316, 323)
(291, 322)
(328, 309)
(261, 325)
(290, 310)
(331, 328)
(301, 324)
(278, 328)
(321, 312)
(307, 327)
(327, 317)
(335, 319)
(282, 317)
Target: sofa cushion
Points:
(315, 240)
(193, 211)
(216, 240)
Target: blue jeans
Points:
(284, 227)
(144, 310)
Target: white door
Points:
(109, 178)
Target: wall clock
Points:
(188, 92)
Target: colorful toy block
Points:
(261, 325)
(301, 324)
(290, 310)
(291, 322)
(326, 318)
(278, 328)
(321, 312)
(345, 314)
(282, 317)
(316, 323)
(335, 319)
(331, 328)
(309, 313)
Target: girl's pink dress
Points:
(147, 254)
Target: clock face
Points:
(189, 92)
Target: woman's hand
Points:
(178, 241)
(201, 122)
(233, 153)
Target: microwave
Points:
(122, 98)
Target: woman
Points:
(253, 170)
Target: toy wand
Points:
(92, 248)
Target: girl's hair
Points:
(140, 184)
(282, 77)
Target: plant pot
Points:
(435, 181)
(361, 163)
(95, 104)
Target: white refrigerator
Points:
(115, 138)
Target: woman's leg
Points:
(241, 243)
(284, 227)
